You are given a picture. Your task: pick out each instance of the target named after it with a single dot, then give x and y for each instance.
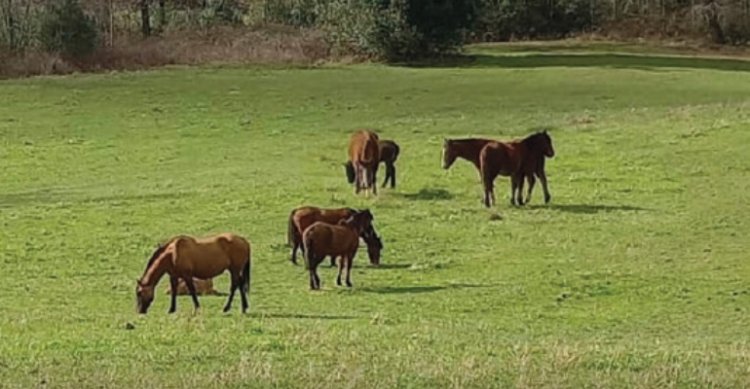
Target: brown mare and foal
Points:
(191, 263)
(518, 159)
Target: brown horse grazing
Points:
(389, 151)
(188, 258)
(364, 155)
(340, 240)
(468, 149)
(202, 287)
(517, 159)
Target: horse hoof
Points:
(547, 199)
(349, 285)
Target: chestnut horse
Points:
(186, 257)
(389, 151)
(518, 159)
(339, 240)
(364, 155)
(303, 217)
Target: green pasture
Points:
(635, 275)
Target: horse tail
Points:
(246, 271)
(291, 230)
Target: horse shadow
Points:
(590, 208)
(427, 194)
(417, 289)
(302, 316)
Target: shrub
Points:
(66, 29)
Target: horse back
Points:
(501, 158)
(388, 150)
(304, 217)
(330, 239)
(364, 148)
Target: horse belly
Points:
(206, 264)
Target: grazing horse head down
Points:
(188, 258)
(337, 240)
(374, 246)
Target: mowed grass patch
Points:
(634, 275)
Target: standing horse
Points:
(389, 151)
(516, 159)
(364, 155)
(340, 240)
(186, 257)
(303, 217)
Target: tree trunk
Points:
(10, 24)
(145, 19)
(717, 34)
(162, 15)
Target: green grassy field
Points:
(636, 274)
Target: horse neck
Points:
(469, 149)
(156, 271)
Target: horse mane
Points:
(157, 253)
(532, 140)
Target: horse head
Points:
(546, 144)
(374, 246)
(449, 153)
(350, 174)
(144, 296)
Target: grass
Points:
(636, 274)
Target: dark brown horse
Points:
(364, 155)
(389, 151)
(517, 159)
(303, 217)
(337, 240)
(184, 257)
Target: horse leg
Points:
(173, 280)
(342, 263)
(513, 186)
(233, 288)
(349, 261)
(543, 179)
(393, 175)
(357, 178)
(519, 189)
(333, 260)
(243, 293)
(191, 288)
(312, 279)
(295, 246)
(387, 174)
(532, 181)
(374, 181)
(488, 183)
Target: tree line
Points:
(384, 29)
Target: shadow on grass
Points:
(608, 60)
(387, 266)
(54, 196)
(418, 289)
(303, 316)
(427, 194)
(589, 208)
